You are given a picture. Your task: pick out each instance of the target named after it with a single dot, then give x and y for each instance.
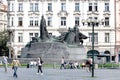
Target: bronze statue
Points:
(43, 31)
(72, 36)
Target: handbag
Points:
(12, 67)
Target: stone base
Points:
(46, 50)
(54, 50)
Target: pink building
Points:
(117, 11)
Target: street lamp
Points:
(93, 22)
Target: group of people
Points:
(69, 65)
(85, 65)
(15, 63)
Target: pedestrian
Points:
(5, 63)
(39, 64)
(89, 64)
(83, 65)
(15, 63)
(76, 65)
(62, 63)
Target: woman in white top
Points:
(15, 63)
(39, 63)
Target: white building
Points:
(3, 16)
(24, 21)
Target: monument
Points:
(68, 44)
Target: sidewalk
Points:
(57, 74)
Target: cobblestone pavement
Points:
(57, 74)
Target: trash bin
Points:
(28, 65)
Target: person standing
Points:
(15, 63)
(62, 63)
(39, 64)
(5, 63)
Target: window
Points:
(77, 21)
(49, 21)
(63, 7)
(106, 21)
(49, 6)
(97, 23)
(90, 6)
(106, 6)
(93, 7)
(36, 21)
(12, 7)
(20, 37)
(20, 7)
(36, 6)
(8, 7)
(31, 21)
(36, 34)
(95, 37)
(30, 35)
(77, 7)
(20, 21)
(33, 6)
(63, 21)
(107, 40)
(12, 21)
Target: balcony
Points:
(92, 12)
(33, 13)
(49, 12)
(63, 13)
(20, 13)
(106, 12)
(11, 13)
(76, 13)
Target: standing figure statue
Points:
(43, 31)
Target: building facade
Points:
(117, 16)
(24, 21)
(3, 16)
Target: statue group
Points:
(57, 47)
(73, 36)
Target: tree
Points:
(3, 41)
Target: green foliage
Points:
(108, 65)
(3, 41)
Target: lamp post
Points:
(92, 22)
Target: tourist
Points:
(83, 65)
(76, 65)
(89, 64)
(39, 64)
(62, 63)
(15, 63)
(5, 63)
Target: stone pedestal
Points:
(77, 53)
(54, 50)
